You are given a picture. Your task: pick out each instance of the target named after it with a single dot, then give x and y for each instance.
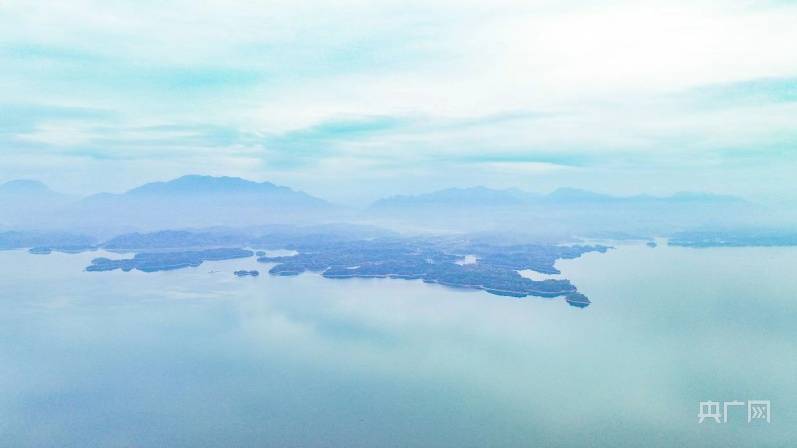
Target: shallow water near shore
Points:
(198, 357)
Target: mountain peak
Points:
(202, 201)
(195, 183)
(24, 186)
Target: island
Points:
(735, 238)
(577, 300)
(67, 249)
(165, 261)
(494, 269)
(44, 243)
(490, 267)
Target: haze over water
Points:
(193, 358)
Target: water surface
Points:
(199, 357)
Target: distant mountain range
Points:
(459, 197)
(204, 201)
(24, 186)
(487, 197)
(207, 191)
(26, 203)
(200, 201)
(27, 190)
(188, 201)
(228, 187)
(563, 212)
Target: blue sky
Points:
(352, 100)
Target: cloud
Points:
(346, 92)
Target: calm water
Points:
(192, 359)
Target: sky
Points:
(354, 100)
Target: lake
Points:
(200, 358)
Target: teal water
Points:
(191, 358)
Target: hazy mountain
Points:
(198, 201)
(31, 192)
(486, 197)
(565, 211)
(24, 203)
(64, 241)
(575, 195)
(25, 186)
(228, 188)
(473, 196)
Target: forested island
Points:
(744, 238)
(338, 253)
(165, 261)
(495, 269)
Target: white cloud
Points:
(599, 78)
